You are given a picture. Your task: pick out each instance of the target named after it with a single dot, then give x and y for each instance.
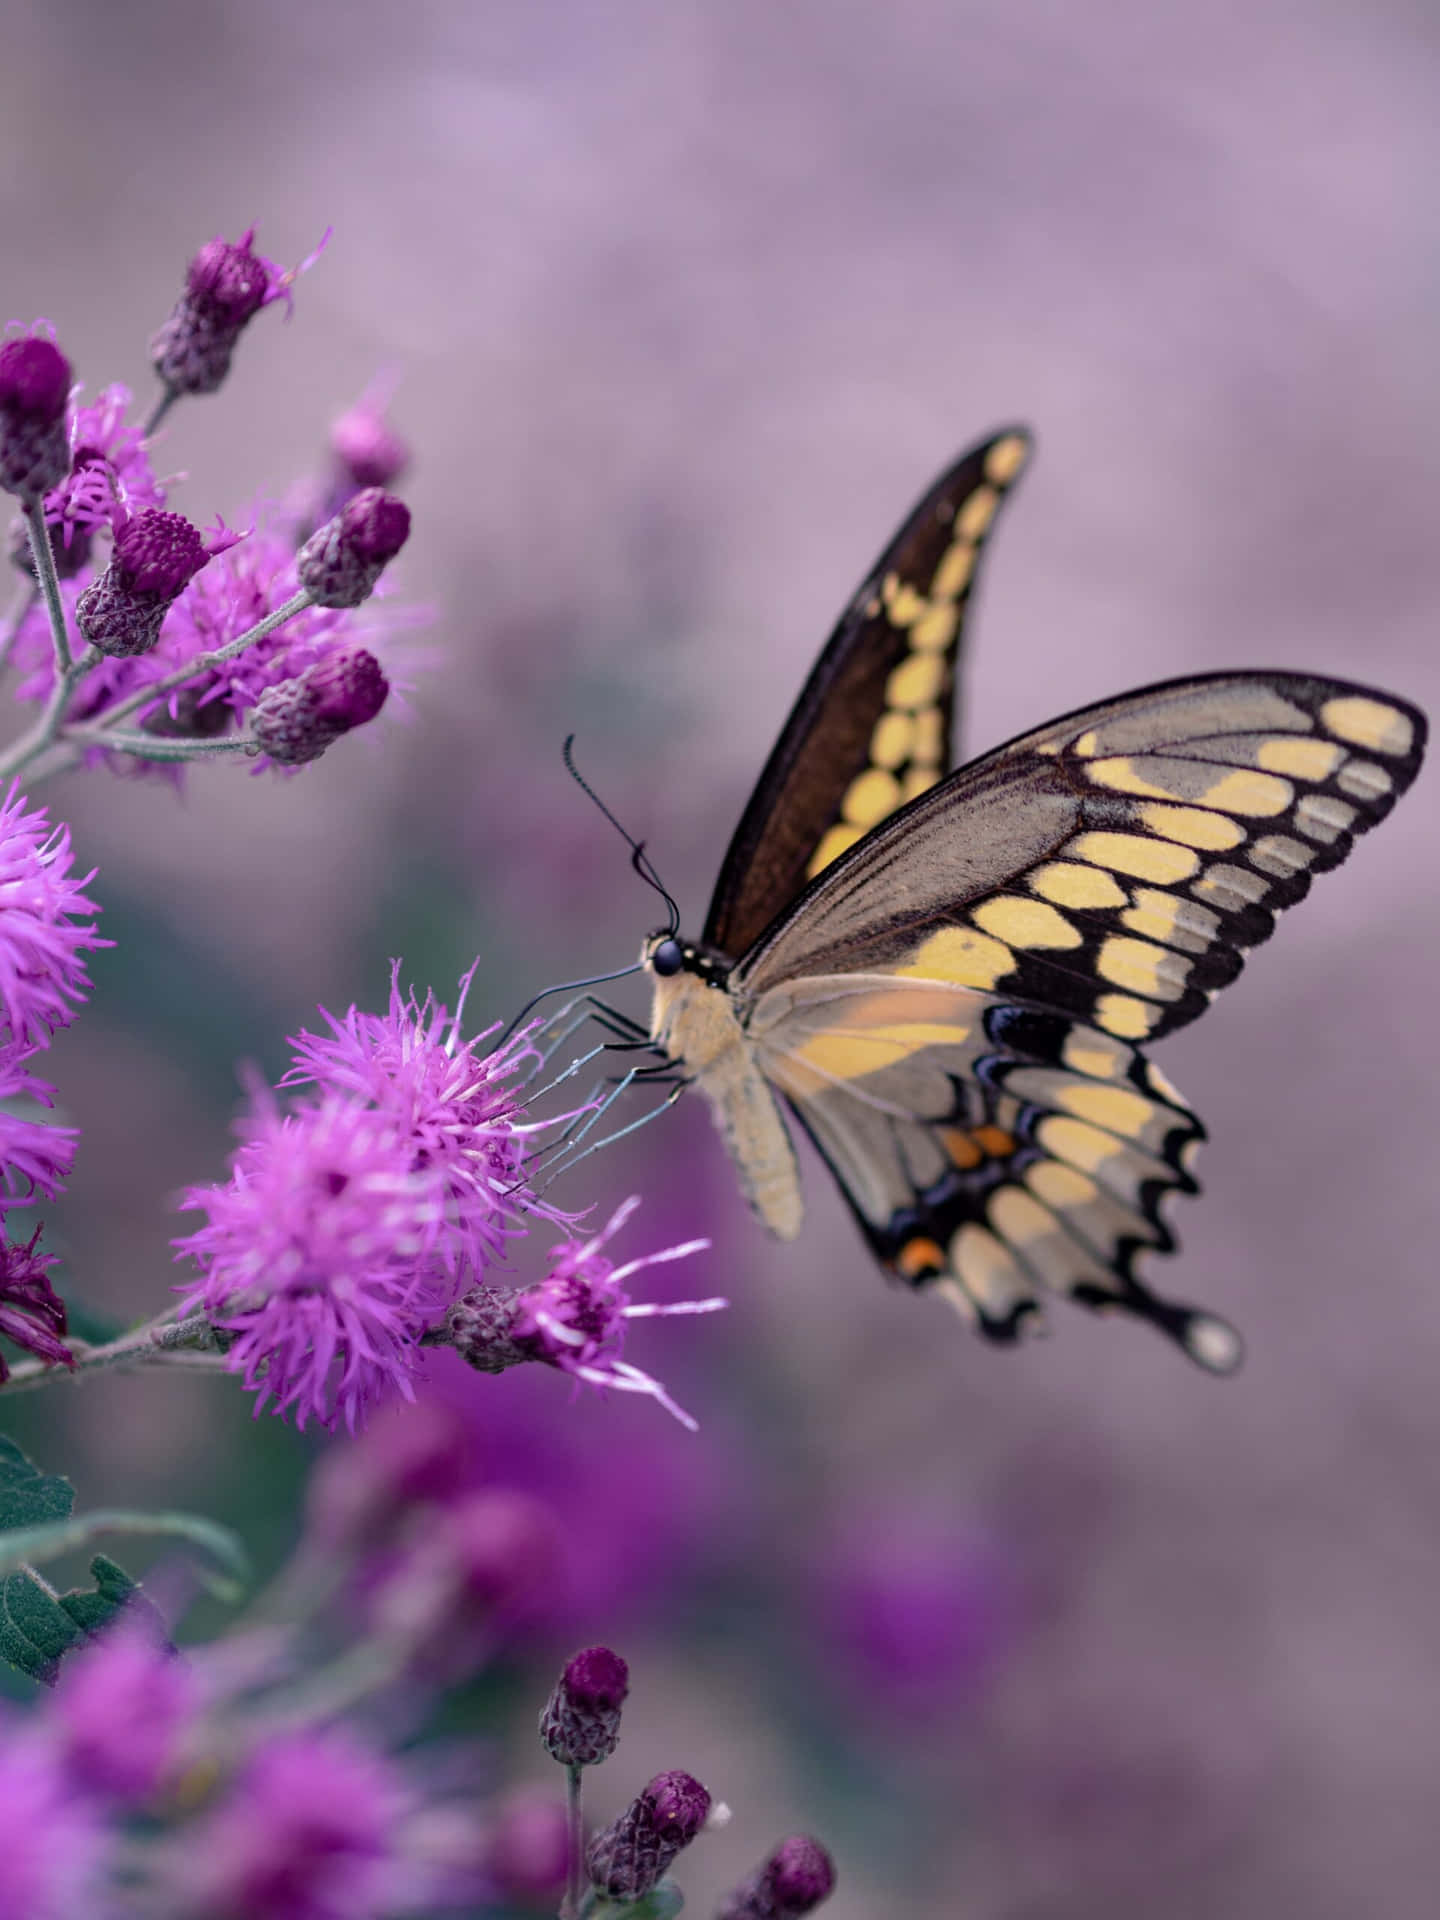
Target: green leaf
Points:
(34, 1628)
(29, 1498)
(661, 1903)
(34, 1545)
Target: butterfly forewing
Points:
(872, 727)
(1114, 865)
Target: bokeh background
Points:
(686, 302)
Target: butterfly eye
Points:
(668, 958)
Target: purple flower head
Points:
(34, 1158)
(42, 933)
(54, 1843)
(528, 1848)
(123, 1707)
(472, 1570)
(32, 1314)
(453, 1101)
(296, 721)
(320, 1258)
(368, 451)
(796, 1878)
(629, 1858)
(34, 447)
(226, 285)
(580, 1725)
(310, 1830)
(156, 556)
(575, 1318)
(363, 1490)
(340, 563)
(109, 480)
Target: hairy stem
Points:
(20, 754)
(49, 583)
(179, 1342)
(575, 1845)
(203, 663)
(158, 412)
(154, 746)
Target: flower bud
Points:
(480, 1325)
(367, 449)
(581, 1722)
(340, 562)
(796, 1878)
(34, 446)
(296, 721)
(156, 557)
(226, 285)
(629, 1858)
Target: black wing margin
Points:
(872, 727)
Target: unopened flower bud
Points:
(34, 446)
(226, 285)
(367, 449)
(340, 562)
(296, 721)
(480, 1325)
(796, 1878)
(581, 1722)
(156, 556)
(631, 1856)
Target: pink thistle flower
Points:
(452, 1100)
(34, 1158)
(320, 1258)
(575, 1318)
(54, 1844)
(42, 936)
(109, 479)
(32, 1314)
(226, 285)
(311, 1829)
(122, 1709)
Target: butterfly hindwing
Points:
(997, 1152)
(872, 727)
(1113, 866)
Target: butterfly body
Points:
(949, 980)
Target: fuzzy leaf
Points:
(34, 1627)
(29, 1498)
(35, 1545)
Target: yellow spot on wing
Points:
(1026, 923)
(1005, 459)
(902, 603)
(988, 1271)
(916, 682)
(870, 796)
(893, 740)
(962, 955)
(1306, 759)
(1119, 1014)
(1369, 723)
(1147, 859)
(1117, 1109)
(1086, 1052)
(1069, 884)
(852, 1054)
(929, 748)
(952, 575)
(920, 780)
(1231, 888)
(1059, 1185)
(1235, 791)
(1167, 917)
(1086, 744)
(1084, 1146)
(976, 513)
(1020, 1219)
(1154, 971)
(1193, 826)
(836, 841)
(935, 629)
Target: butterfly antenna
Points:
(639, 859)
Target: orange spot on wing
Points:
(995, 1141)
(919, 1257)
(962, 1148)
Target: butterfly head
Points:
(665, 955)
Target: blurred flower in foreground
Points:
(367, 450)
(527, 1848)
(574, 1318)
(55, 1847)
(798, 1876)
(42, 934)
(34, 447)
(32, 1314)
(123, 1706)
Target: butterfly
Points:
(949, 979)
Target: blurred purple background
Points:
(687, 304)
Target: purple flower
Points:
(630, 1857)
(474, 1567)
(580, 1725)
(34, 447)
(296, 721)
(54, 1844)
(122, 1709)
(310, 1830)
(368, 451)
(340, 563)
(32, 1314)
(226, 285)
(34, 1158)
(454, 1102)
(574, 1318)
(796, 1878)
(362, 1491)
(528, 1848)
(320, 1258)
(42, 938)
(156, 556)
(109, 479)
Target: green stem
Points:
(49, 583)
(155, 746)
(181, 1342)
(575, 1840)
(32, 744)
(204, 662)
(158, 412)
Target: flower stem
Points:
(32, 744)
(158, 412)
(204, 662)
(49, 583)
(575, 1839)
(154, 746)
(180, 1342)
